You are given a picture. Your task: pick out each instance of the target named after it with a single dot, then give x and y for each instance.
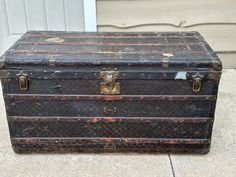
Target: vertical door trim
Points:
(90, 19)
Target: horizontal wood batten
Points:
(134, 74)
(109, 119)
(111, 35)
(106, 44)
(92, 140)
(111, 59)
(107, 97)
(103, 52)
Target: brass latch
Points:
(23, 82)
(197, 83)
(109, 85)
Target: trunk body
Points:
(110, 92)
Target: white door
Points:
(19, 16)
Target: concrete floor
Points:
(221, 161)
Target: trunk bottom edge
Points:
(187, 147)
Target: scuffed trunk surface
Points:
(110, 92)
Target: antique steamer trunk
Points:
(110, 92)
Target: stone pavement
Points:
(221, 161)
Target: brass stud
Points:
(165, 64)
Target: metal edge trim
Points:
(2, 62)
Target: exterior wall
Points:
(18, 16)
(214, 19)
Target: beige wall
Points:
(214, 19)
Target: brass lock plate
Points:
(109, 84)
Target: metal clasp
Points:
(109, 84)
(23, 82)
(197, 83)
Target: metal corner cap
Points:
(2, 62)
(217, 65)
